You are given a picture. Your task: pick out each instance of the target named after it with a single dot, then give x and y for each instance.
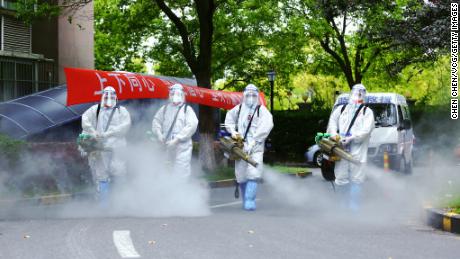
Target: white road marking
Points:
(228, 204)
(124, 244)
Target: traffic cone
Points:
(386, 162)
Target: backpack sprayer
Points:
(233, 148)
(333, 149)
(89, 143)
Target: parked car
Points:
(392, 134)
(314, 155)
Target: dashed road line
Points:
(124, 244)
(228, 204)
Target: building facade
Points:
(33, 57)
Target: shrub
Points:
(10, 150)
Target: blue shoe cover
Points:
(355, 197)
(250, 195)
(103, 192)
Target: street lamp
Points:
(271, 77)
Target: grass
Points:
(454, 205)
(288, 170)
(221, 173)
(224, 173)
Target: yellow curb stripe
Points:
(50, 199)
(447, 224)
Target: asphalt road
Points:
(296, 218)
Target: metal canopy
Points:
(36, 113)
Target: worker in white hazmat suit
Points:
(352, 124)
(108, 123)
(253, 122)
(174, 125)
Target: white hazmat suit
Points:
(253, 122)
(174, 125)
(355, 139)
(109, 124)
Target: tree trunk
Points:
(206, 152)
(207, 131)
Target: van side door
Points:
(401, 131)
(408, 135)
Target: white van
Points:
(393, 130)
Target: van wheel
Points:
(318, 158)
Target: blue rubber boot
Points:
(355, 197)
(250, 195)
(103, 193)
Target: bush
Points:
(10, 151)
(294, 132)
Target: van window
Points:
(400, 114)
(406, 112)
(384, 114)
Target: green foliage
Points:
(121, 29)
(289, 169)
(10, 150)
(221, 173)
(352, 38)
(30, 11)
(426, 83)
(385, 44)
(316, 91)
(295, 131)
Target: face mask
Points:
(250, 101)
(177, 98)
(109, 100)
(357, 97)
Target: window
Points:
(400, 114)
(17, 36)
(384, 114)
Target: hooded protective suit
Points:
(109, 124)
(253, 122)
(357, 141)
(174, 125)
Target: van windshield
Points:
(384, 114)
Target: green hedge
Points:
(294, 132)
(10, 151)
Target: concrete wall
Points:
(76, 40)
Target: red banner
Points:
(84, 86)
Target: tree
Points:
(421, 33)
(183, 33)
(198, 58)
(217, 39)
(120, 34)
(355, 34)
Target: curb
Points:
(301, 174)
(65, 197)
(44, 200)
(446, 221)
(61, 198)
(222, 183)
